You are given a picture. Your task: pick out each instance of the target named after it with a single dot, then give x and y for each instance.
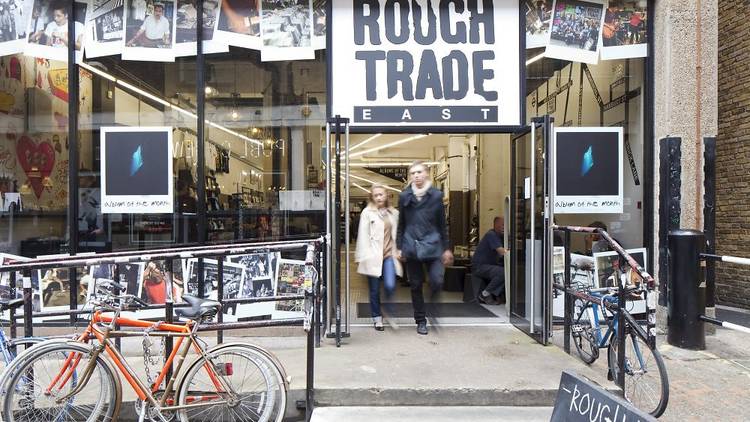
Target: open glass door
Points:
(531, 286)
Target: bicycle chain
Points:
(148, 356)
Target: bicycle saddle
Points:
(199, 308)
(10, 304)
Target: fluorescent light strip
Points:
(399, 142)
(165, 103)
(365, 141)
(359, 186)
(391, 163)
(534, 59)
(372, 182)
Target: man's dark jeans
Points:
(415, 272)
(493, 274)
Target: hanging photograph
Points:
(588, 170)
(136, 170)
(149, 30)
(5, 276)
(319, 24)
(606, 264)
(54, 285)
(259, 281)
(47, 33)
(233, 277)
(186, 24)
(538, 19)
(291, 281)
(287, 30)
(239, 23)
(14, 20)
(624, 30)
(105, 31)
(575, 30)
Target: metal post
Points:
(709, 216)
(568, 298)
(329, 231)
(12, 312)
(532, 246)
(201, 278)
(686, 301)
(620, 332)
(347, 224)
(200, 94)
(73, 283)
(220, 296)
(28, 304)
(317, 299)
(337, 234)
(169, 310)
(73, 104)
(116, 277)
(310, 350)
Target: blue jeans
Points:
(389, 285)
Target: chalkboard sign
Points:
(578, 399)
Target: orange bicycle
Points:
(232, 381)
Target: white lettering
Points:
(366, 114)
(406, 115)
(446, 114)
(573, 403)
(484, 112)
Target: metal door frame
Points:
(528, 324)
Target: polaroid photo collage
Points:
(161, 30)
(587, 31)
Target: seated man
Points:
(486, 265)
(154, 31)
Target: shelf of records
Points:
(244, 276)
(162, 30)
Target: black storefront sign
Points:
(580, 400)
(396, 173)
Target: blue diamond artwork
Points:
(588, 161)
(136, 161)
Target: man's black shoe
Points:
(422, 328)
(488, 300)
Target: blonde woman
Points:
(376, 249)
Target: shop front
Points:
(179, 122)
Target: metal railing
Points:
(312, 249)
(733, 260)
(571, 294)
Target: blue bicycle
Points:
(646, 382)
(10, 348)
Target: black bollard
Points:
(687, 293)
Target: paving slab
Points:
(432, 414)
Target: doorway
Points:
(473, 173)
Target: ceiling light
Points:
(359, 186)
(534, 59)
(365, 141)
(235, 115)
(388, 145)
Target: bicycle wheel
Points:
(646, 382)
(254, 387)
(52, 384)
(582, 330)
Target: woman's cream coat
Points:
(370, 238)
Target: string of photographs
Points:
(585, 31)
(161, 30)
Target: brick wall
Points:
(733, 152)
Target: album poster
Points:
(538, 19)
(14, 20)
(136, 170)
(239, 23)
(186, 28)
(105, 31)
(588, 170)
(259, 280)
(624, 31)
(149, 30)
(291, 281)
(287, 30)
(47, 30)
(575, 30)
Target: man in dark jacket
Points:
(422, 238)
(486, 265)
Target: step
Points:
(431, 413)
